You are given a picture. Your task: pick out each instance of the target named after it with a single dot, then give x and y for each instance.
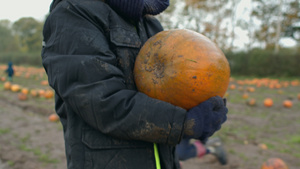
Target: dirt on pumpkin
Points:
(28, 140)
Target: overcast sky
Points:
(38, 9)
(16, 9)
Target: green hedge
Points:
(265, 63)
(18, 58)
(260, 63)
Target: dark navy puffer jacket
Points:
(89, 53)
(10, 70)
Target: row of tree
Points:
(24, 35)
(263, 22)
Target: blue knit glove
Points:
(154, 7)
(203, 120)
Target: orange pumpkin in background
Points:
(181, 67)
(251, 102)
(232, 87)
(44, 82)
(25, 91)
(287, 103)
(245, 96)
(53, 117)
(22, 96)
(274, 163)
(251, 89)
(48, 94)
(268, 102)
(7, 85)
(3, 79)
(34, 93)
(41, 92)
(15, 88)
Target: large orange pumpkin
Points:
(274, 163)
(181, 67)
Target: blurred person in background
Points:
(192, 148)
(10, 71)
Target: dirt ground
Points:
(28, 140)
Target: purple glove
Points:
(203, 120)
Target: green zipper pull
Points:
(156, 155)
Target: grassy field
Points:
(251, 135)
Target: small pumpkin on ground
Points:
(7, 85)
(53, 117)
(263, 146)
(25, 91)
(34, 93)
(15, 88)
(274, 163)
(181, 67)
(232, 86)
(44, 82)
(251, 89)
(3, 79)
(245, 96)
(287, 103)
(48, 94)
(41, 92)
(268, 102)
(22, 96)
(251, 102)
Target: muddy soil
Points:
(28, 140)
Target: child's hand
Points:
(203, 120)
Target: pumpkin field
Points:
(263, 122)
